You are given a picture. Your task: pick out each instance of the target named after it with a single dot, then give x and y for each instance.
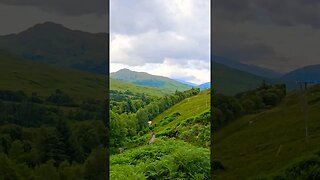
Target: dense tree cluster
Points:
(52, 137)
(127, 124)
(228, 108)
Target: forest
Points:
(56, 137)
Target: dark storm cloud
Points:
(248, 52)
(278, 12)
(67, 7)
(278, 34)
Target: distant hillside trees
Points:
(60, 98)
(228, 108)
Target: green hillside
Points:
(268, 142)
(227, 80)
(43, 79)
(187, 108)
(122, 86)
(180, 148)
(142, 78)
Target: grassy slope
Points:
(18, 74)
(121, 86)
(127, 160)
(187, 108)
(273, 139)
(225, 82)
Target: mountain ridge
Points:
(143, 78)
(53, 43)
(252, 69)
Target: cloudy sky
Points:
(162, 37)
(277, 34)
(86, 15)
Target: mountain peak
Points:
(48, 26)
(124, 69)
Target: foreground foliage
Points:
(168, 159)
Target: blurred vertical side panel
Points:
(266, 72)
(53, 85)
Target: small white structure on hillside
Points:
(153, 138)
(149, 122)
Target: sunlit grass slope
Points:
(187, 108)
(123, 86)
(267, 142)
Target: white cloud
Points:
(163, 37)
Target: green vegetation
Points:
(51, 122)
(228, 108)
(31, 77)
(120, 86)
(164, 159)
(129, 116)
(51, 136)
(145, 79)
(270, 143)
(225, 82)
(183, 154)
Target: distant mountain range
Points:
(201, 86)
(142, 78)
(55, 44)
(252, 69)
(308, 73)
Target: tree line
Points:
(229, 108)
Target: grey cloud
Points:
(248, 52)
(67, 7)
(278, 12)
(18, 18)
(134, 17)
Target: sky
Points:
(85, 15)
(162, 37)
(281, 35)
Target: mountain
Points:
(123, 86)
(308, 73)
(186, 82)
(145, 79)
(270, 141)
(227, 80)
(203, 86)
(206, 85)
(252, 69)
(55, 44)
